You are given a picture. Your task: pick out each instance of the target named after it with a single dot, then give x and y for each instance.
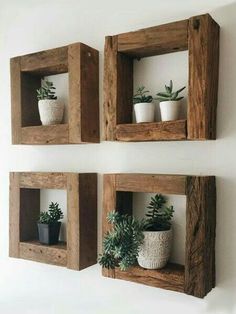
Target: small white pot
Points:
(144, 112)
(170, 110)
(155, 251)
(50, 111)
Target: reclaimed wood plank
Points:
(43, 180)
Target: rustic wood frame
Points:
(200, 36)
(80, 251)
(197, 277)
(82, 64)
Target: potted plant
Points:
(50, 109)
(155, 250)
(121, 244)
(143, 107)
(170, 103)
(49, 224)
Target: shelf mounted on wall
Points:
(197, 276)
(200, 36)
(81, 63)
(80, 250)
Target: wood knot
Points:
(196, 23)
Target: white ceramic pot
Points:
(155, 251)
(50, 111)
(170, 110)
(144, 112)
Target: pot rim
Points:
(161, 231)
(144, 103)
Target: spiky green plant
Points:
(46, 91)
(159, 215)
(121, 244)
(169, 94)
(141, 96)
(54, 214)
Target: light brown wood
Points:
(15, 100)
(171, 277)
(151, 183)
(53, 254)
(109, 199)
(47, 62)
(203, 43)
(200, 236)
(155, 40)
(47, 134)
(43, 180)
(156, 131)
(14, 215)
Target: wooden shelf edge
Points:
(153, 131)
(171, 277)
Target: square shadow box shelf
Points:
(197, 276)
(80, 250)
(81, 63)
(200, 36)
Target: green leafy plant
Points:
(121, 244)
(159, 215)
(53, 215)
(141, 96)
(46, 91)
(169, 94)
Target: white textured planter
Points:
(50, 111)
(170, 110)
(155, 251)
(144, 112)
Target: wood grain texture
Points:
(15, 100)
(14, 214)
(53, 254)
(45, 134)
(155, 40)
(29, 213)
(43, 180)
(47, 62)
(203, 44)
(171, 277)
(151, 183)
(156, 131)
(200, 236)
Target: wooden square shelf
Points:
(80, 251)
(197, 276)
(200, 36)
(82, 64)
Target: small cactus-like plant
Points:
(54, 214)
(169, 94)
(141, 96)
(46, 91)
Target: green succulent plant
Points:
(169, 94)
(159, 215)
(121, 244)
(54, 214)
(46, 91)
(141, 96)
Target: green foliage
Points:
(169, 94)
(141, 96)
(54, 214)
(159, 216)
(121, 244)
(46, 91)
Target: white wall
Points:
(29, 26)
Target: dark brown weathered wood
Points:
(47, 62)
(43, 180)
(151, 183)
(29, 214)
(200, 236)
(45, 134)
(203, 45)
(156, 131)
(171, 277)
(53, 254)
(155, 40)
